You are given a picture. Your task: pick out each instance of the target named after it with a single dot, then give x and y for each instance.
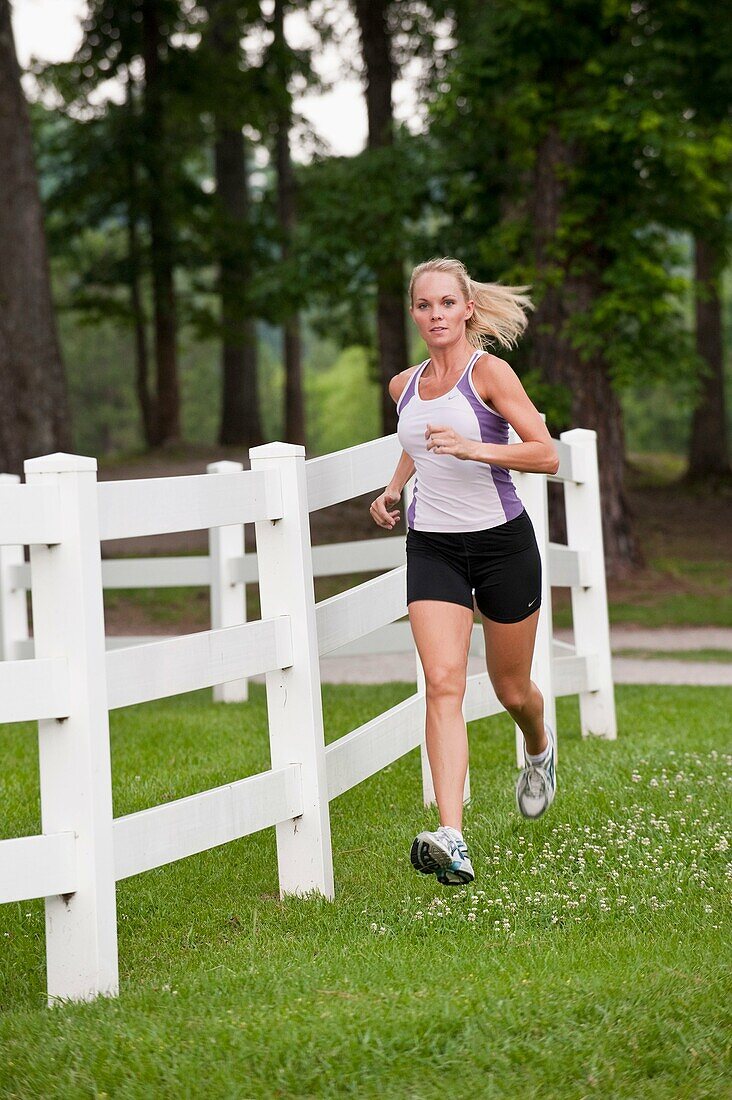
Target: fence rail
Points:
(69, 677)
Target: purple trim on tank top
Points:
(494, 429)
(409, 389)
(410, 510)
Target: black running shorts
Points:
(501, 564)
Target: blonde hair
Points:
(500, 311)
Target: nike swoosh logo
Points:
(451, 396)
(533, 601)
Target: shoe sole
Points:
(428, 858)
(533, 817)
(461, 878)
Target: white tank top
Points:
(455, 494)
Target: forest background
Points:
(175, 280)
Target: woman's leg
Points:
(442, 635)
(509, 648)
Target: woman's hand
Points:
(446, 441)
(380, 508)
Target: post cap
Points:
(224, 467)
(277, 450)
(60, 463)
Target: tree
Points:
(229, 103)
(34, 412)
(282, 64)
(552, 136)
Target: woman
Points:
(468, 532)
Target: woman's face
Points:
(439, 309)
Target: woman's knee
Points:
(444, 681)
(513, 694)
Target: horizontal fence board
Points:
(29, 514)
(37, 866)
(32, 689)
(159, 505)
(571, 467)
(351, 472)
(172, 666)
(174, 830)
(371, 747)
(179, 572)
(574, 674)
(568, 568)
(480, 700)
(365, 607)
(361, 556)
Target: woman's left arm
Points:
(537, 453)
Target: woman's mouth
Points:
(440, 329)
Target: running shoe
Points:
(537, 784)
(449, 878)
(443, 851)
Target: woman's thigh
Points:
(442, 635)
(509, 649)
(440, 606)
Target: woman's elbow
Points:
(552, 462)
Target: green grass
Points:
(722, 656)
(166, 606)
(590, 958)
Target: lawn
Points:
(590, 958)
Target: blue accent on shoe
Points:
(443, 850)
(537, 783)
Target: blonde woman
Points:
(470, 543)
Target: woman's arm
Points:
(404, 470)
(537, 452)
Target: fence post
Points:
(74, 758)
(228, 596)
(13, 601)
(532, 489)
(294, 702)
(428, 787)
(589, 604)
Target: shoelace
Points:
(536, 779)
(454, 845)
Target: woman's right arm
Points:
(404, 470)
(383, 510)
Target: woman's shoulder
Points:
(486, 369)
(399, 382)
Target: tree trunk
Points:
(596, 405)
(161, 232)
(139, 320)
(34, 409)
(708, 444)
(240, 420)
(390, 279)
(240, 423)
(286, 209)
(594, 402)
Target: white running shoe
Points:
(443, 853)
(537, 784)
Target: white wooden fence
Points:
(73, 679)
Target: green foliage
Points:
(629, 105)
(343, 404)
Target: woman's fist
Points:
(380, 509)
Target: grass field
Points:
(590, 958)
